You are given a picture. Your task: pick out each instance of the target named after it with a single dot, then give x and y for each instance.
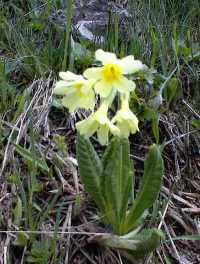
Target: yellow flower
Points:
(77, 91)
(98, 122)
(111, 75)
(125, 120)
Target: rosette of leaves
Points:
(110, 181)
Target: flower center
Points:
(111, 72)
(78, 87)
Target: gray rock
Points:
(90, 18)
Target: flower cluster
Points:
(107, 81)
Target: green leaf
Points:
(21, 102)
(117, 179)
(170, 90)
(27, 155)
(155, 47)
(136, 246)
(90, 168)
(81, 54)
(195, 56)
(149, 113)
(57, 103)
(168, 260)
(156, 101)
(21, 239)
(196, 123)
(148, 241)
(32, 259)
(150, 186)
(40, 252)
(46, 211)
(23, 198)
(17, 212)
(155, 127)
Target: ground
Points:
(46, 216)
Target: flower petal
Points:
(133, 126)
(62, 87)
(129, 65)
(114, 129)
(103, 88)
(123, 85)
(132, 86)
(93, 73)
(105, 57)
(126, 122)
(102, 134)
(70, 76)
(124, 130)
(87, 127)
(75, 100)
(70, 102)
(87, 102)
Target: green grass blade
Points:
(49, 207)
(27, 155)
(67, 34)
(187, 237)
